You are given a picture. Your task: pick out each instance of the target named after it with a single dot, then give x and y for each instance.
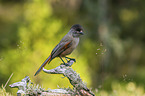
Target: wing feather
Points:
(61, 47)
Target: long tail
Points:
(45, 62)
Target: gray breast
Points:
(75, 42)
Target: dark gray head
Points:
(76, 30)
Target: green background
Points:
(110, 56)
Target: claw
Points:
(73, 60)
(70, 59)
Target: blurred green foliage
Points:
(111, 50)
(120, 89)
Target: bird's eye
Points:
(78, 29)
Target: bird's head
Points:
(76, 30)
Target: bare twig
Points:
(8, 80)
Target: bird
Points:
(66, 46)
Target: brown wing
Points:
(61, 47)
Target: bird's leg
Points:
(70, 59)
(67, 64)
(62, 60)
(66, 59)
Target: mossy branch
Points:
(80, 89)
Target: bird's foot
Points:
(63, 64)
(70, 62)
(70, 59)
(66, 64)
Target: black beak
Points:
(81, 32)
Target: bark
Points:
(26, 87)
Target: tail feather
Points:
(45, 62)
